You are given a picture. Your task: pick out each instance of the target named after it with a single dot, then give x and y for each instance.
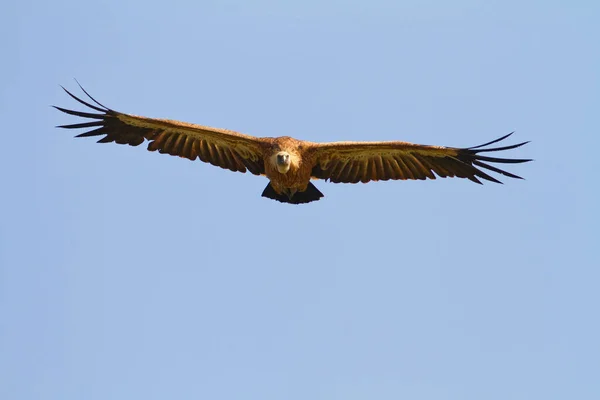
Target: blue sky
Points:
(127, 274)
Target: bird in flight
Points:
(288, 163)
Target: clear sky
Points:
(126, 274)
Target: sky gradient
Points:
(126, 274)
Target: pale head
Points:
(282, 161)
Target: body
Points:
(288, 165)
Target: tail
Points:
(310, 194)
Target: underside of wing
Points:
(223, 148)
(353, 162)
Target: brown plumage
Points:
(289, 163)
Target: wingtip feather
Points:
(88, 95)
(492, 142)
(85, 103)
(471, 156)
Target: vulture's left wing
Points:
(353, 162)
(220, 147)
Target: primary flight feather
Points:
(288, 163)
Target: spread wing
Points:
(353, 162)
(219, 147)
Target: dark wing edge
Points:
(164, 136)
(471, 157)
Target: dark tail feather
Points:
(310, 194)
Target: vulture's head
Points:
(283, 161)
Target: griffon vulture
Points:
(289, 164)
